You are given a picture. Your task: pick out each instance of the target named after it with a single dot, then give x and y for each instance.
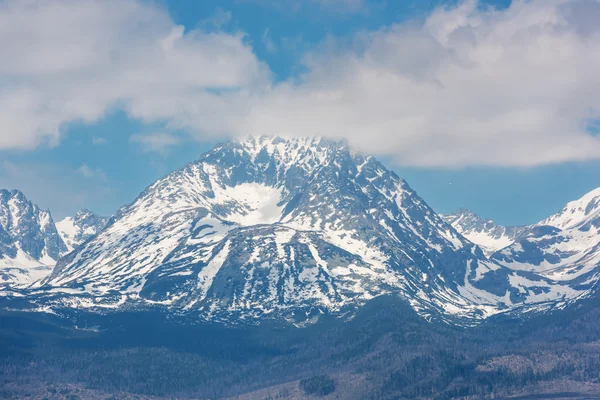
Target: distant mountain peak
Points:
(29, 242)
(483, 232)
(77, 229)
(563, 247)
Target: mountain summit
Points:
(286, 228)
(485, 233)
(75, 230)
(577, 213)
(564, 247)
(29, 242)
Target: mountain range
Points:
(31, 242)
(564, 247)
(294, 230)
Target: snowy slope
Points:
(576, 213)
(563, 250)
(79, 228)
(29, 242)
(287, 228)
(564, 247)
(484, 233)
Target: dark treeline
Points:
(396, 353)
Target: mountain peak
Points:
(29, 242)
(290, 149)
(483, 232)
(274, 228)
(577, 212)
(77, 229)
(270, 227)
(12, 194)
(461, 213)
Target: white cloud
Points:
(156, 142)
(98, 141)
(469, 86)
(68, 60)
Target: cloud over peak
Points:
(471, 85)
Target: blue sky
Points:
(88, 144)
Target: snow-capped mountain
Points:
(77, 229)
(286, 228)
(564, 247)
(29, 242)
(485, 233)
(576, 213)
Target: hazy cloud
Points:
(156, 142)
(218, 20)
(269, 44)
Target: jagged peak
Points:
(84, 212)
(254, 145)
(464, 214)
(12, 194)
(463, 211)
(281, 153)
(289, 141)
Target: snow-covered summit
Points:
(576, 213)
(564, 247)
(29, 242)
(285, 228)
(77, 229)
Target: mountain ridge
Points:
(270, 159)
(563, 247)
(293, 229)
(77, 229)
(483, 232)
(29, 242)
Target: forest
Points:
(386, 351)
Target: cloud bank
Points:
(469, 85)
(66, 61)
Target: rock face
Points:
(29, 241)
(273, 228)
(75, 230)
